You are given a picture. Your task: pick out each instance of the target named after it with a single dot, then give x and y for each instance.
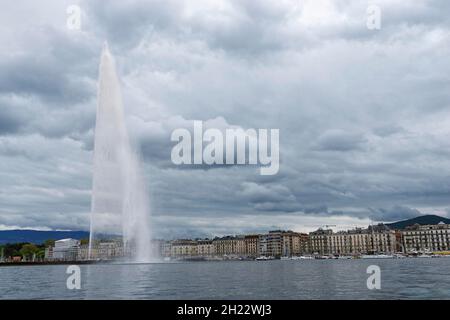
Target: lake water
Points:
(413, 278)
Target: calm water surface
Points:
(304, 279)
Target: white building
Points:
(184, 248)
(66, 249)
(375, 239)
(205, 248)
(426, 238)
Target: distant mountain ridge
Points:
(38, 237)
(422, 220)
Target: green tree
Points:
(12, 249)
(28, 250)
(40, 254)
(84, 241)
(49, 243)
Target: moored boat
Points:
(377, 256)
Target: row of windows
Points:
(426, 232)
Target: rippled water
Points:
(304, 279)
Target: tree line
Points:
(27, 250)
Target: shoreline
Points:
(44, 263)
(86, 262)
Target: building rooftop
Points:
(66, 240)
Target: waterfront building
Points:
(381, 239)
(110, 250)
(240, 247)
(263, 248)
(352, 242)
(375, 239)
(205, 248)
(270, 244)
(225, 246)
(66, 249)
(166, 249)
(426, 238)
(83, 252)
(275, 243)
(294, 243)
(48, 254)
(231, 246)
(183, 248)
(103, 250)
(279, 243)
(319, 241)
(252, 245)
(304, 243)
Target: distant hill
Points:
(427, 219)
(38, 237)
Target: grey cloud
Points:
(273, 193)
(387, 130)
(49, 89)
(320, 209)
(125, 23)
(395, 213)
(9, 123)
(340, 140)
(363, 115)
(31, 75)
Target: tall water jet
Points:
(119, 195)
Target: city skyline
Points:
(378, 241)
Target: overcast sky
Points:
(363, 114)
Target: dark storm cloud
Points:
(9, 122)
(339, 140)
(28, 75)
(395, 213)
(46, 77)
(125, 23)
(49, 89)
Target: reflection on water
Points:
(307, 279)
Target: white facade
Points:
(426, 238)
(66, 249)
(353, 242)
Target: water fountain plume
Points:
(119, 194)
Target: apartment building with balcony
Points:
(319, 241)
(205, 248)
(278, 243)
(252, 245)
(225, 246)
(294, 243)
(183, 248)
(375, 239)
(426, 238)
